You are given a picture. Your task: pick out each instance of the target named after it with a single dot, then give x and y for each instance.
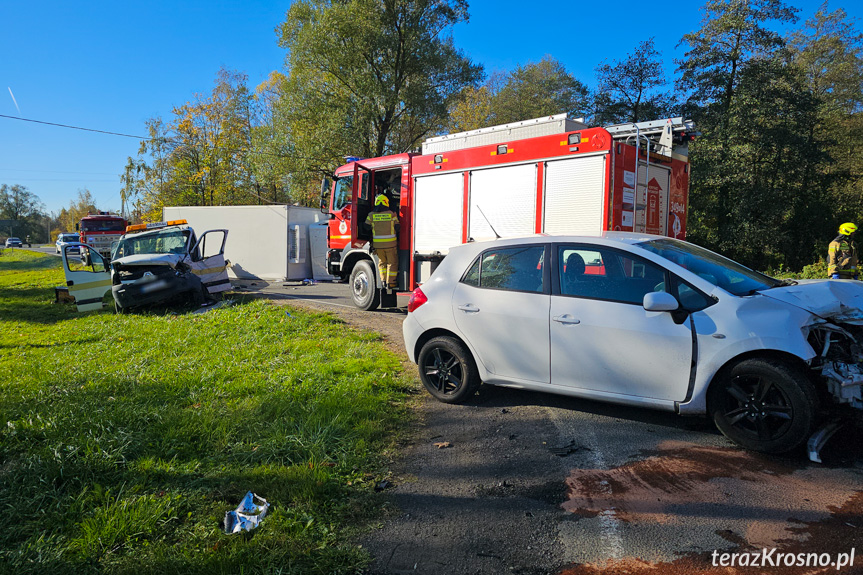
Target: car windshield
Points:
(112, 225)
(68, 237)
(162, 242)
(718, 270)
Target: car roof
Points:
(606, 238)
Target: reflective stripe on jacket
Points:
(383, 226)
(842, 257)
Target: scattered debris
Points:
(567, 449)
(442, 444)
(61, 295)
(309, 282)
(206, 308)
(504, 410)
(248, 514)
(819, 439)
(381, 485)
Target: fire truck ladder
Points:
(660, 132)
(657, 132)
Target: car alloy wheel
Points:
(764, 405)
(447, 370)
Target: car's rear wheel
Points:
(447, 370)
(764, 405)
(364, 289)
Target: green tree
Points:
(23, 211)
(629, 90)
(751, 112)
(532, 90)
(828, 50)
(540, 89)
(367, 77)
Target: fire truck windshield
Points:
(161, 242)
(110, 225)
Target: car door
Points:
(501, 306)
(87, 275)
(208, 261)
(602, 338)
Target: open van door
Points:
(208, 261)
(87, 275)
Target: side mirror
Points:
(77, 227)
(660, 301)
(325, 195)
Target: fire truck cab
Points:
(550, 175)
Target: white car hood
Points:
(837, 300)
(151, 260)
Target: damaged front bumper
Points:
(839, 359)
(155, 288)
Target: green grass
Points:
(124, 439)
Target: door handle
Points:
(469, 308)
(566, 319)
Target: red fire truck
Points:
(549, 175)
(100, 231)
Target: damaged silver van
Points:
(151, 263)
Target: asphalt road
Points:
(522, 482)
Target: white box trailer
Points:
(264, 242)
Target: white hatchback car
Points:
(642, 320)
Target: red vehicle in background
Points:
(100, 231)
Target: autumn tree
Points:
(82, 205)
(631, 90)
(367, 77)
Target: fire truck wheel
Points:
(447, 370)
(364, 290)
(763, 405)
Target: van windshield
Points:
(161, 242)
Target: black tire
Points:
(447, 370)
(764, 405)
(364, 290)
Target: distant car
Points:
(66, 238)
(647, 321)
(13, 243)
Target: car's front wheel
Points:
(764, 405)
(447, 370)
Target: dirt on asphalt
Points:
(522, 482)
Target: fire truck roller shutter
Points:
(438, 202)
(507, 197)
(574, 195)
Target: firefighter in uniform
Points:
(385, 225)
(842, 254)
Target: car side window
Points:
(690, 298)
(512, 269)
(601, 273)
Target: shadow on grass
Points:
(29, 265)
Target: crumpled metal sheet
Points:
(248, 514)
(838, 300)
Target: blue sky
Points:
(112, 65)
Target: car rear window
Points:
(512, 269)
